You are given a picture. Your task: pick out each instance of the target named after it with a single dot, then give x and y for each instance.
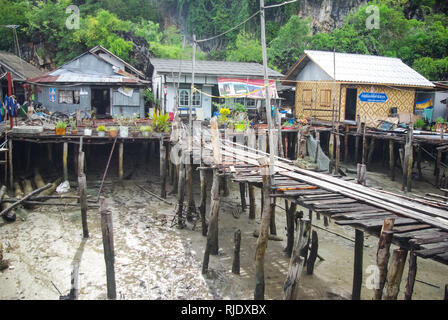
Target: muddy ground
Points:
(155, 260)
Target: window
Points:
(69, 96)
(307, 94)
(184, 98)
(249, 103)
(325, 98)
(196, 99)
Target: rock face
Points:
(327, 14)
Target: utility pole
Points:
(190, 120)
(268, 98)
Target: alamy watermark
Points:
(72, 21)
(373, 20)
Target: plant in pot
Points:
(134, 122)
(241, 125)
(440, 123)
(146, 130)
(122, 125)
(161, 122)
(113, 132)
(419, 124)
(101, 131)
(223, 117)
(61, 126)
(73, 128)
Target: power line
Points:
(280, 4)
(230, 30)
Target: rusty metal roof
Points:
(19, 68)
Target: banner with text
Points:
(240, 88)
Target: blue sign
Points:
(373, 97)
(52, 94)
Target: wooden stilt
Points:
(326, 224)
(108, 245)
(419, 163)
(371, 151)
(252, 205)
(291, 286)
(392, 159)
(410, 158)
(338, 151)
(357, 266)
(202, 207)
(163, 170)
(412, 273)
(395, 274)
(176, 179)
(236, 253)
(364, 144)
(347, 130)
(82, 183)
(212, 246)
(120, 160)
(262, 241)
(11, 167)
(243, 196)
(181, 194)
(362, 174)
(358, 135)
(437, 171)
(64, 160)
(272, 226)
(189, 185)
(290, 221)
(446, 293)
(382, 256)
(313, 253)
(316, 154)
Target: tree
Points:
(246, 49)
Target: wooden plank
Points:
(412, 234)
(412, 227)
(427, 253)
(369, 223)
(420, 241)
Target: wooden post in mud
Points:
(243, 195)
(120, 160)
(347, 130)
(82, 186)
(291, 286)
(358, 135)
(410, 161)
(338, 150)
(446, 293)
(64, 160)
(202, 206)
(290, 221)
(382, 256)
(412, 273)
(316, 154)
(361, 174)
(236, 253)
(392, 159)
(252, 205)
(108, 245)
(74, 291)
(181, 193)
(357, 266)
(262, 241)
(162, 169)
(272, 226)
(313, 253)
(212, 246)
(395, 274)
(419, 162)
(189, 185)
(364, 144)
(437, 168)
(11, 168)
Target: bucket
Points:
(124, 132)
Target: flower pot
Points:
(113, 133)
(60, 131)
(87, 132)
(74, 132)
(146, 133)
(124, 132)
(135, 133)
(101, 133)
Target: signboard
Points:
(373, 97)
(52, 94)
(244, 88)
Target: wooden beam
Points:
(357, 266)
(395, 274)
(412, 273)
(382, 256)
(64, 160)
(236, 253)
(109, 251)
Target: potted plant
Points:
(112, 132)
(146, 130)
(241, 125)
(73, 128)
(419, 124)
(87, 131)
(161, 122)
(440, 123)
(134, 128)
(101, 131)
(61, 126)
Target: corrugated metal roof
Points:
(216, 68)
(366, 69)
(20, 69)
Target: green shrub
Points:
(61, 125)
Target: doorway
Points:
(350, 104)
(101, 102)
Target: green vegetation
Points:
(161, 122)
(61, 125)
(415, 31)
(419, 123)
(101, 128)
(440, 120)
